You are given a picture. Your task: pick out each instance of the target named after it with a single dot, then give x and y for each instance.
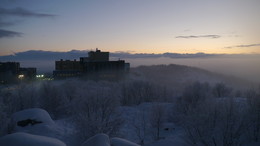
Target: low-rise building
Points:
(96, 65)
(11, 72)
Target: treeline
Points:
(209, 114)
(213, 117)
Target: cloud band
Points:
(21, 12)
(243, 46)
(199, 36)
(7, 33)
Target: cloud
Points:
(188, 55)
(243, 46)
(76, 54)
(199, 36)
(7, 33)
(5, 23)
(44, 55)
(21, 12)
(17, 12)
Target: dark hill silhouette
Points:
(178, 76)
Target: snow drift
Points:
(97, 140)
(25, 139)
(35, 121)
(121, 142)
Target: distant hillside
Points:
(178, 76)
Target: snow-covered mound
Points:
(168, 142)
(121, 142)
(33, 113)
(35, 121)
(103, 140)
(31, 117)
(25, 139)
(97, 140)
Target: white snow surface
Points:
(47, 127)
(167, 142)
(97, 140)
(64, 130)
(103, 140)
(121, 142)
(33, 113)
(25, 139)
(133, 113)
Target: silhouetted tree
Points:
(221, 90)
(192, 96)
(253, 98)
(210, 121)
(51, 99)
(157, 118)
(141, 124)
(96, 113)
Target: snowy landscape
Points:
(129, 73)
(160, 105)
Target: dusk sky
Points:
(135, 26)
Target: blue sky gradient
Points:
(138, 26)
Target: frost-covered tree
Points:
(138, 91)
(141, 124)
(221, 90)
(210, 121)
(253, 98)
(26, 96)
(4, 119)
(192, 95)
(232, 123)
(50, 99)
(96, 113)
(157, 118)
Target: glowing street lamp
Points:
(39, 76)
(20, 76)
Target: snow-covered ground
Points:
(25, 139)
(38, 122)
(146, 109)
(37, 125)
(97, 140)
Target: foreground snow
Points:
(35, 127)
(38, 122)
(25, 139)
(103, 140)
(34, 114)
(97, 140)
(121, 142)
(34, 121)
(168, 142)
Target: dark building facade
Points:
(96, 64)
(28, 73)
(11, 72)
